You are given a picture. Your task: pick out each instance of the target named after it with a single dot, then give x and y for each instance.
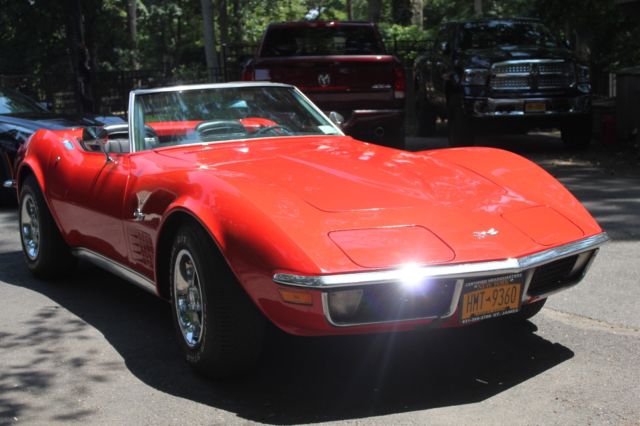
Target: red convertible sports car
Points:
(243, 204)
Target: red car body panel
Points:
(309, 205)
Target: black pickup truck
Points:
(502, 76)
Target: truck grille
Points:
(532, 75)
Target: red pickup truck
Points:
(342, 67)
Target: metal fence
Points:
(106, 92)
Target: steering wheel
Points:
(151, 139)
(284, 130)
(218, 128)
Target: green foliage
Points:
(36, 38)
(403, 33)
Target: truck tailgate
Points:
(362, 81)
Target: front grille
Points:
(552, 276)
(535, 75)
(394, 301)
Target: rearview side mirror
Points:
(95, 139)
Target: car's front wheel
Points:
(219, 329)
(45, 252)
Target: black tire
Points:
(221, 336)
(460, 125)
(577, 133)
(45, 252)
(528, 311)
(426, 118)
(8, 196)
(394, 137)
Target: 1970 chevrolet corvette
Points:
(243, 203)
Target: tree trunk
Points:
(417, 13)
(80, 58)
(209, 36)
(477, 7)
(349, 11)
(375, 10)
(236, 9)
(223, 21)
(401, 12)
(132, 17)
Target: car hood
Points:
(377, 205)
(51, 121)
(485, 57)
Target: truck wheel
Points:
(460, 127)
(46, 253)
(576, 134)
(425, 118)
(219, 330)
(394, 137)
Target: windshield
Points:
(219, 114)
(15, 103)
(500, 33)
(320, 41)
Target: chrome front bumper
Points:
(585, 251)
(508, 107)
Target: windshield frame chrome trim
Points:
(134, 93)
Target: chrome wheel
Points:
(30, 227)
(187, 297)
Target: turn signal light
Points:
(298, 297)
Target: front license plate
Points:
(491, 297)
(535, 107)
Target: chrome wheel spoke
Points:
(188, 298)
(30, 229)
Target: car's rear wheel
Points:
(219, 329)
(460, 125)
(45, 252)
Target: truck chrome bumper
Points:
(500, 107)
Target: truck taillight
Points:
(248, 74)
(399, 82)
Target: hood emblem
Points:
(481, 235)
(324, 79)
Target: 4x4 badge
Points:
(481, 235)
(324, 79)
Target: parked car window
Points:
(320, 41)
(15, 103)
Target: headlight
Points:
(584, 74)
(475, 76)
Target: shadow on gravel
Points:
(299, 380)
